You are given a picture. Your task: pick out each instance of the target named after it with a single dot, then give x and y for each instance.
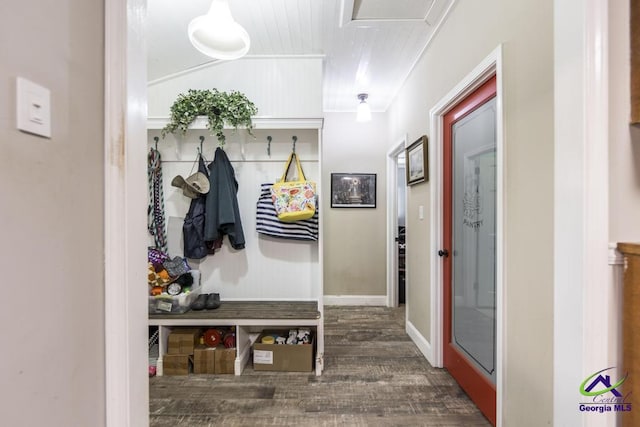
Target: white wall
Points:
(268, 268)
(280, 87)
(624, 171)
(624, 140)
(51, 218)
(402, 195)
(355, 238)
(472, 31)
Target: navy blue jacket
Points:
(222, 216)
(193, 227)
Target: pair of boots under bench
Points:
(206, 301)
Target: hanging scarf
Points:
(155, 211)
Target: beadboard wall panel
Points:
(278, 86)
(268, 268)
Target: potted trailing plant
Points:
(233, 108)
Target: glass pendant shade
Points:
(364, 111)
(217, 35)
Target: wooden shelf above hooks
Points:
(258, 123)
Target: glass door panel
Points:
(474, 238)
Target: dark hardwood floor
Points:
(374, 376)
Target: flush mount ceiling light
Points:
(364, 111)
(217, 35)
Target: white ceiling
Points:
(368, 45)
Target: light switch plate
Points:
(33, 108)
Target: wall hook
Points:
(156, 139)
(295, 139)
(269, 139)
(201, 141)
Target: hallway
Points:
(374, 376)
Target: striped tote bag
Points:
(267, 221)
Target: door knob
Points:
(443, 253)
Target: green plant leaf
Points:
(220, 108)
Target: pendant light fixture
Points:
(217, 34)
(364, 111)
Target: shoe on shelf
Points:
(200, 302)
(213, 301)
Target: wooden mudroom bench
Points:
(248, 317)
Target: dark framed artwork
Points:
(417, 161)
(353, 190)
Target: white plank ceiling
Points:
(367, 45)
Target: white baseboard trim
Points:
(615, 257)
(380, 300)
(420, 341)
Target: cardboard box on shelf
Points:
(204, 360)
(176, 364)
(183, 341)
(282, 357)
(225, 360)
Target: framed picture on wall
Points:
(417, 161)
(353, 190)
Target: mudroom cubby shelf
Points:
(248, 318)
(272, 282)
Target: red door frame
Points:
(473, 382)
